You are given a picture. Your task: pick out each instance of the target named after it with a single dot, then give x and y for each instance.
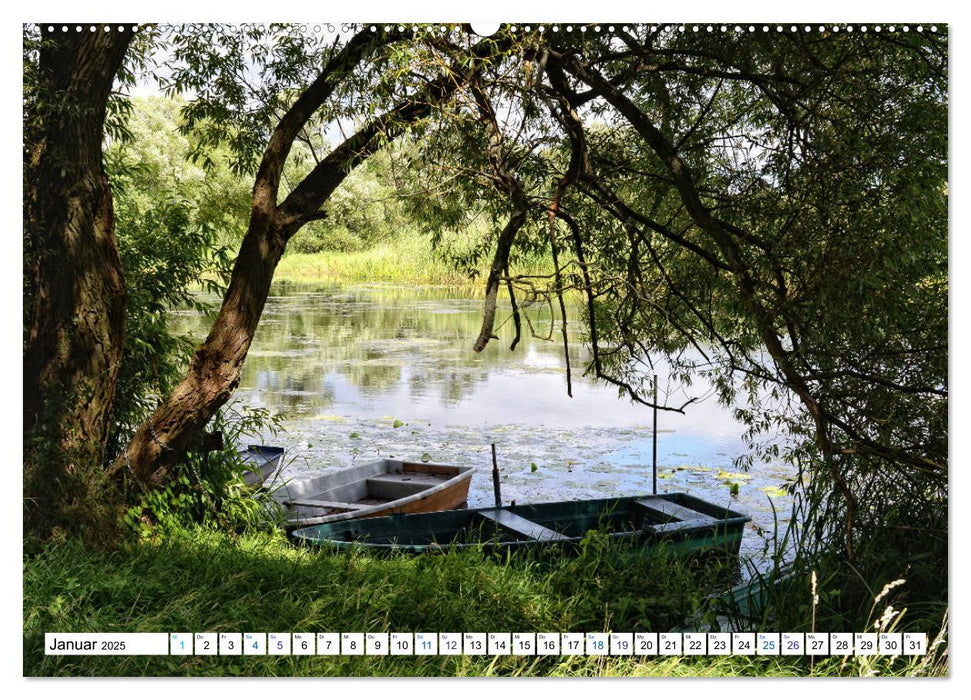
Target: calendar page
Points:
(559, 346)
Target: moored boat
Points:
(372, 490)
(685, 522)
(260, 462)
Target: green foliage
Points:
(210, 60)
(449, 179)
(207, 488)
(403, 258)
(363, 212)
(173, 223)
(170, 218)
(245, 77)
(153, 165)
(262, 583)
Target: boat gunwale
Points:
(256, 472)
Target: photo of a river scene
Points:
(519, 350)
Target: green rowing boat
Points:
(686, 522)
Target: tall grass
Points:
(201, 580)
(407, 259)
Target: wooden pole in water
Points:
(495, 478)
(654, 439)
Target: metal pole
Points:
(495, 478)
(654, 438)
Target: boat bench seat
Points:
(521, 526)
(668, 511)
(683, 525)
(394, 486)
(316, 503)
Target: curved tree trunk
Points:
(217, 365)
(216, 368)
(76, 292)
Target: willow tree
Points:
(369, 76)
(768, 210)
(74, 287)
(792, 214)
(776, 204)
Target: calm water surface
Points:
(348, 364)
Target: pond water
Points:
(368, 372)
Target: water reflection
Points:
(370, 371)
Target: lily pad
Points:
(332, 418)
(732, 476)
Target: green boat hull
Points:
(682, 522)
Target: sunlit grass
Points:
(408, 259)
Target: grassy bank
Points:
(205, 581)
(408, 259)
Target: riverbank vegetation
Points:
(365, 236)
(767, 212)
(265, 584)
(403, 259)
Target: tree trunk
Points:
(215, 369)
(76, 292)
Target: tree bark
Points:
(76, 291)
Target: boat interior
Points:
(367, 487)
(551, 522)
